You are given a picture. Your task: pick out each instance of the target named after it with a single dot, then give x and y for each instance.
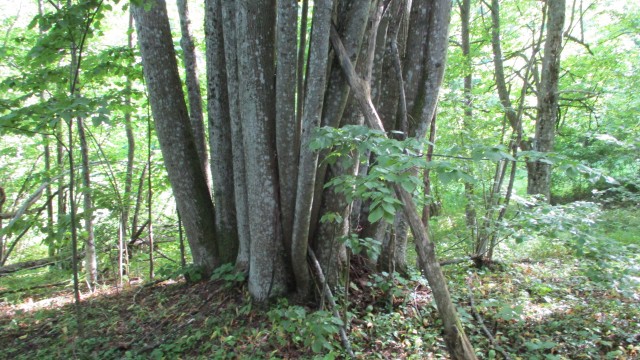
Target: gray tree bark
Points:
(90, 242)
(501, 84)
(269, 275)
(353, 16)
(174, 132)
(287, 128)
(220, 135)
(540, 172)
(316, 82)
(237, 143)
(193, 88)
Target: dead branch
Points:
(34, 264)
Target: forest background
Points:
(519, 250)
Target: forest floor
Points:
(558, 306)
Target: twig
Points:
(315, 266)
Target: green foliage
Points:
(227, 272)
(368, 246)
(395, 162)
(294, 324)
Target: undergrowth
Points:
(563, 304)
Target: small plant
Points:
(311, 329)
(368, 246)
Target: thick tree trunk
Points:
(316, 82)
(174, 132)
(220, 134)
(420, 81)
(353, 16)
(269, 275)
(287, 129)
(540, 172)
(394, 241)
(237, 143)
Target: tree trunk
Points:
(394, 240)
(150, 202)
(501, 84)
(61, 205)
(193, 88)
(174, 132)
(90, 242)
(354, 17)
(540, 172)
(465, 12)
(50, 230)
(128, 181)
(220, 134)
(269, 275)
(287, 128)
(316, 82)
(237, 142)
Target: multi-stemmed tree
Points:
(266, 178)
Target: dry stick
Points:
(315, 266)
(455, 337)
(486, 331)
(46, 286)
(33, 264)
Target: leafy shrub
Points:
(296, 325)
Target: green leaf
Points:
(376, 214)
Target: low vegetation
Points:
(550, 301)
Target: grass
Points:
(548, 303)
